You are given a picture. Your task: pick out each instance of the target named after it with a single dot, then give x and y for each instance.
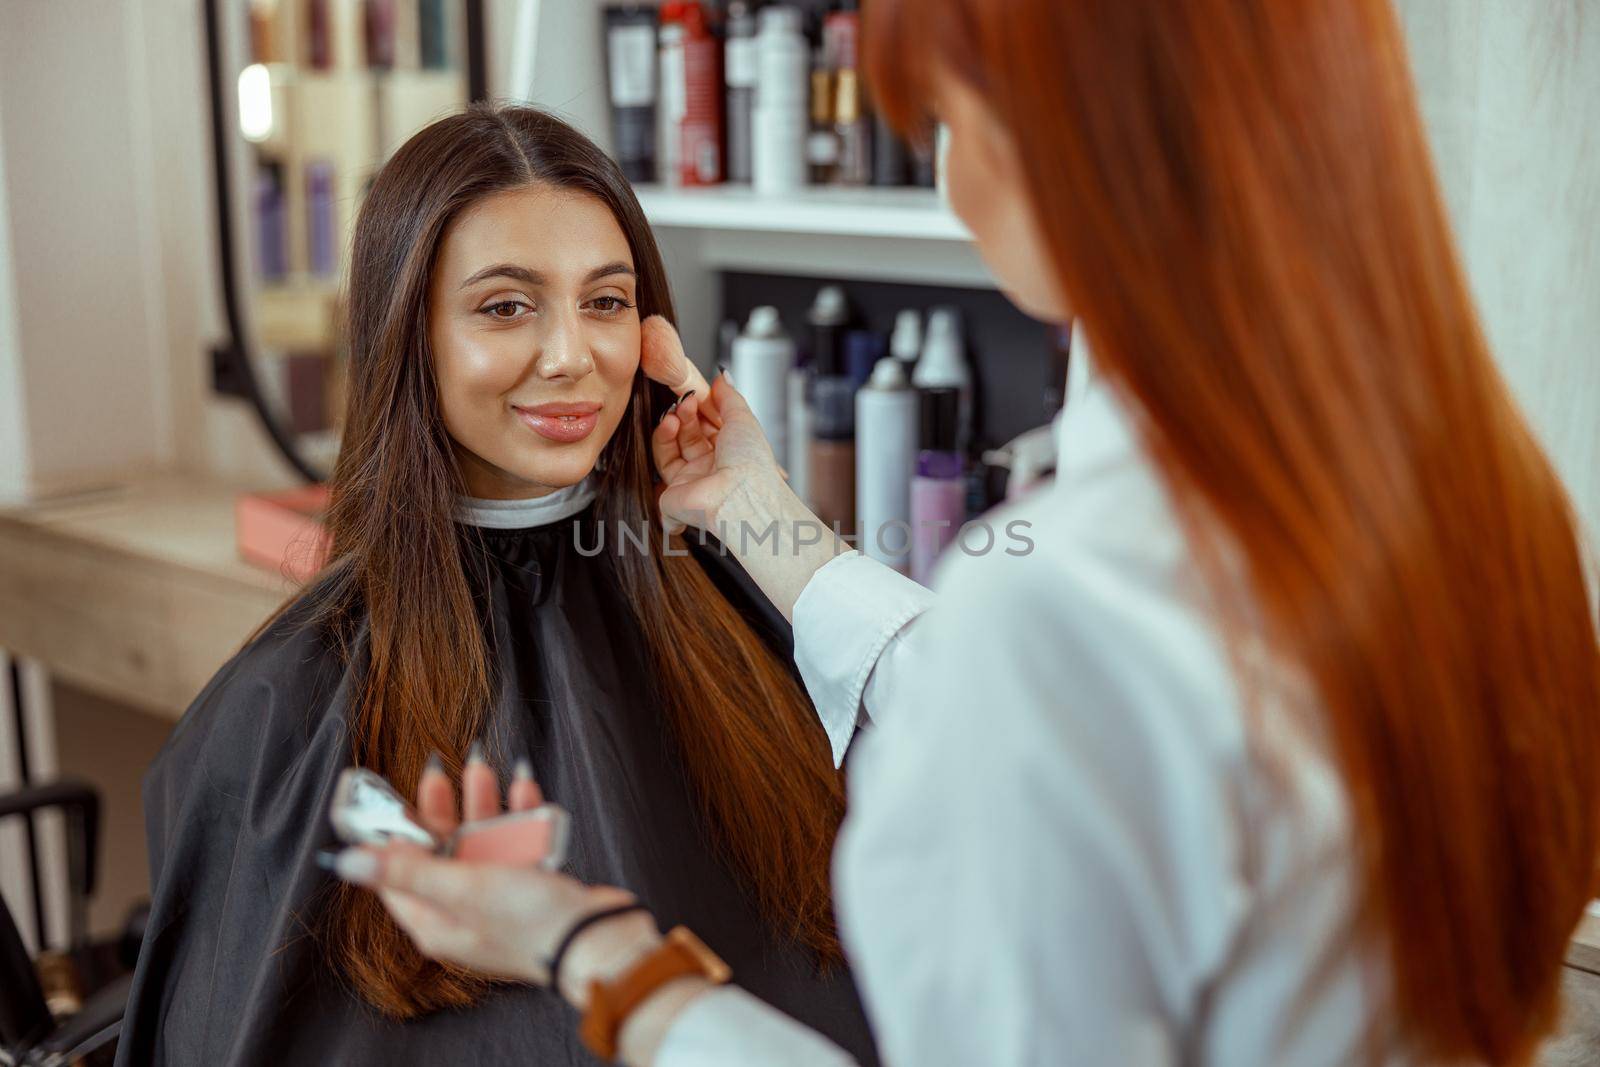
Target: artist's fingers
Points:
(664, 447)
(480, 790)
(693, 442)
(444, 883)
(436, 799)
(524, 793)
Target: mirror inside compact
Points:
(367, 811)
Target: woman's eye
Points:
(504, 310)
(610, 305)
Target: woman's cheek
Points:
(618, 358)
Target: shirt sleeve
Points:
(1034, 867)
(728, 1027)
(852, 624)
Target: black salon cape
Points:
(236, 806)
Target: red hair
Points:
(1240, 205)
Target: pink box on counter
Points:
(283, 531)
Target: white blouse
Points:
(1064, 846)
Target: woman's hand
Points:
(720, 475)
(709, 445)
(503, 921)
(703, 466)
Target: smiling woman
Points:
(575, 307)
(502, 282)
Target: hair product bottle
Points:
(890, 165)
(862, 350)
(944, 365)
(272, 245)
(778, 142)
(887, 411)
(905, 343)
(631, 79)
(799, 430)
(822, 143)
(671, 95)
(833, 448)
(322, 234)
(433, 34)
(739, 65)
(763, 356)
(939, 489)
(842, 31)
(700, 126)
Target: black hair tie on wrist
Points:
(579, 927)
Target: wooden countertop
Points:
(136, 592)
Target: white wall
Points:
(1510, 91)
(88, 359)
(13, 412)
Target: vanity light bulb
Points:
(255, 102)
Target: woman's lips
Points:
(562, 423)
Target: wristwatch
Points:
(611, 1002)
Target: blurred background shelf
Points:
(297, 316)
(882, 213)
(904, 214)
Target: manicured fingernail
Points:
(727, 376)
(684, 397)
(435, 764)
(356, 865)
(475, 753)
(523, 770)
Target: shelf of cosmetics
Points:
(740, 92)
(876, 430)
(329, 35)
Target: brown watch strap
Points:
(610, 1003)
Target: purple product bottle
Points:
(272, 254)
(938, 491)
(322, 245)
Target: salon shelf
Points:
(297, 316)
(898, 214)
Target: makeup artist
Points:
(1280, 748)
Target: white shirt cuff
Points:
(845, 617)
(727, 1027)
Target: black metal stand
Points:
(21, 725)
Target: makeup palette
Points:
(367, 810)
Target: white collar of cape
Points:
(524, 514)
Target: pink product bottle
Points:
(938, 491)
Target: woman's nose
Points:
(564, 349)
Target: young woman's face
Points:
(534, 328)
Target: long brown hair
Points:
(396, 587)
(1239, 201)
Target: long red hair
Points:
(1239, 201)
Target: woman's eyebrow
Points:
(535, 278)
(507, 270)
(608, 270)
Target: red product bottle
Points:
(700, 130)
